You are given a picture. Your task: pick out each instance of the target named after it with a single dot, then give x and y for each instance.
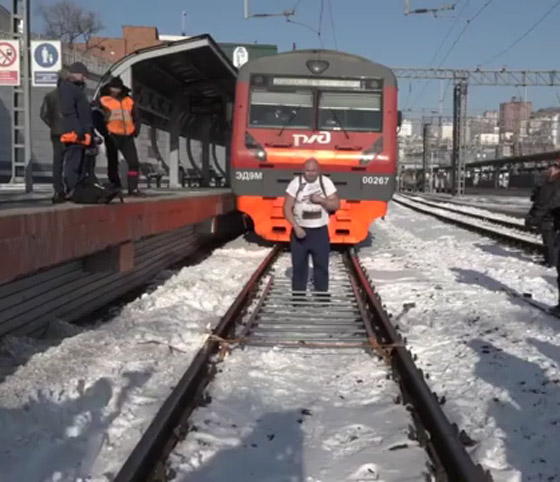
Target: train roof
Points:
(342, 64)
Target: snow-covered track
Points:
(507, 231)
(266, 313)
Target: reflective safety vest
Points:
(120, 121)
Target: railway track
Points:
(510, 232)
(267, 314)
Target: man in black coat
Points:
(545, 216)
(77, 123)
(51, 116)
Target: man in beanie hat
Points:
(77, 124)
(123, 124)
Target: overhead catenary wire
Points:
(319, 31)
(528, 32)
(332, 24)
(461, 33)
(321, 10)
(442, 43)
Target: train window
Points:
(350, 112)
(292, 110)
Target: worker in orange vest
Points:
(123, 125)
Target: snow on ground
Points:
(75, 411)
(495, 358)
(296, 416)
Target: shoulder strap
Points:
(300, 187)
(322, 185)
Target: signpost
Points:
(240, 56)
(9, 63)
(46, 62)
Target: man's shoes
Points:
(59, 198)
(323, 297)
(137, 193)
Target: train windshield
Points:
(293, 110)
(350, 111)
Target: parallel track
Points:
(506, 231)
(267, 313)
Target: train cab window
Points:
(291, 110)
(350, 111)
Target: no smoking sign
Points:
(9, 63)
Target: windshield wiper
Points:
(290, 120)
(337, 120)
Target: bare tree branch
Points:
(67, 21)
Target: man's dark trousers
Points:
(58, 152)
(126, 145)
(73, 165)
(316, 243)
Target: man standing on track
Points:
(309, 200)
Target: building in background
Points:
(112, 49)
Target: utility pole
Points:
(184, 24)
(459, 133)
(426, 148)
(21, 100)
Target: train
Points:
(336, 107)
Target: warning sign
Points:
(9, 62)
(46, 62)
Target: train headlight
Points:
(253, 145)
(317, 66)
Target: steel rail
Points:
(483, 217)
(443, 435)
(162, 432)
(508, 238)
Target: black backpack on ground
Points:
(89, 191)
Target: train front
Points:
(338, 108)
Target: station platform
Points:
(64, 261)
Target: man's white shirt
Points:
(306, 213)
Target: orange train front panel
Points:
(349, 225)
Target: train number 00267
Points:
(376, 180)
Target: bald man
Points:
(309, 200)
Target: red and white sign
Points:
(9, 63)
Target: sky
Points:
(378, 30)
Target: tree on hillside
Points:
(67, 21)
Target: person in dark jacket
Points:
(77, 124)
(123, 125)
(546, 226)
(51, 116)
(545, 216)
